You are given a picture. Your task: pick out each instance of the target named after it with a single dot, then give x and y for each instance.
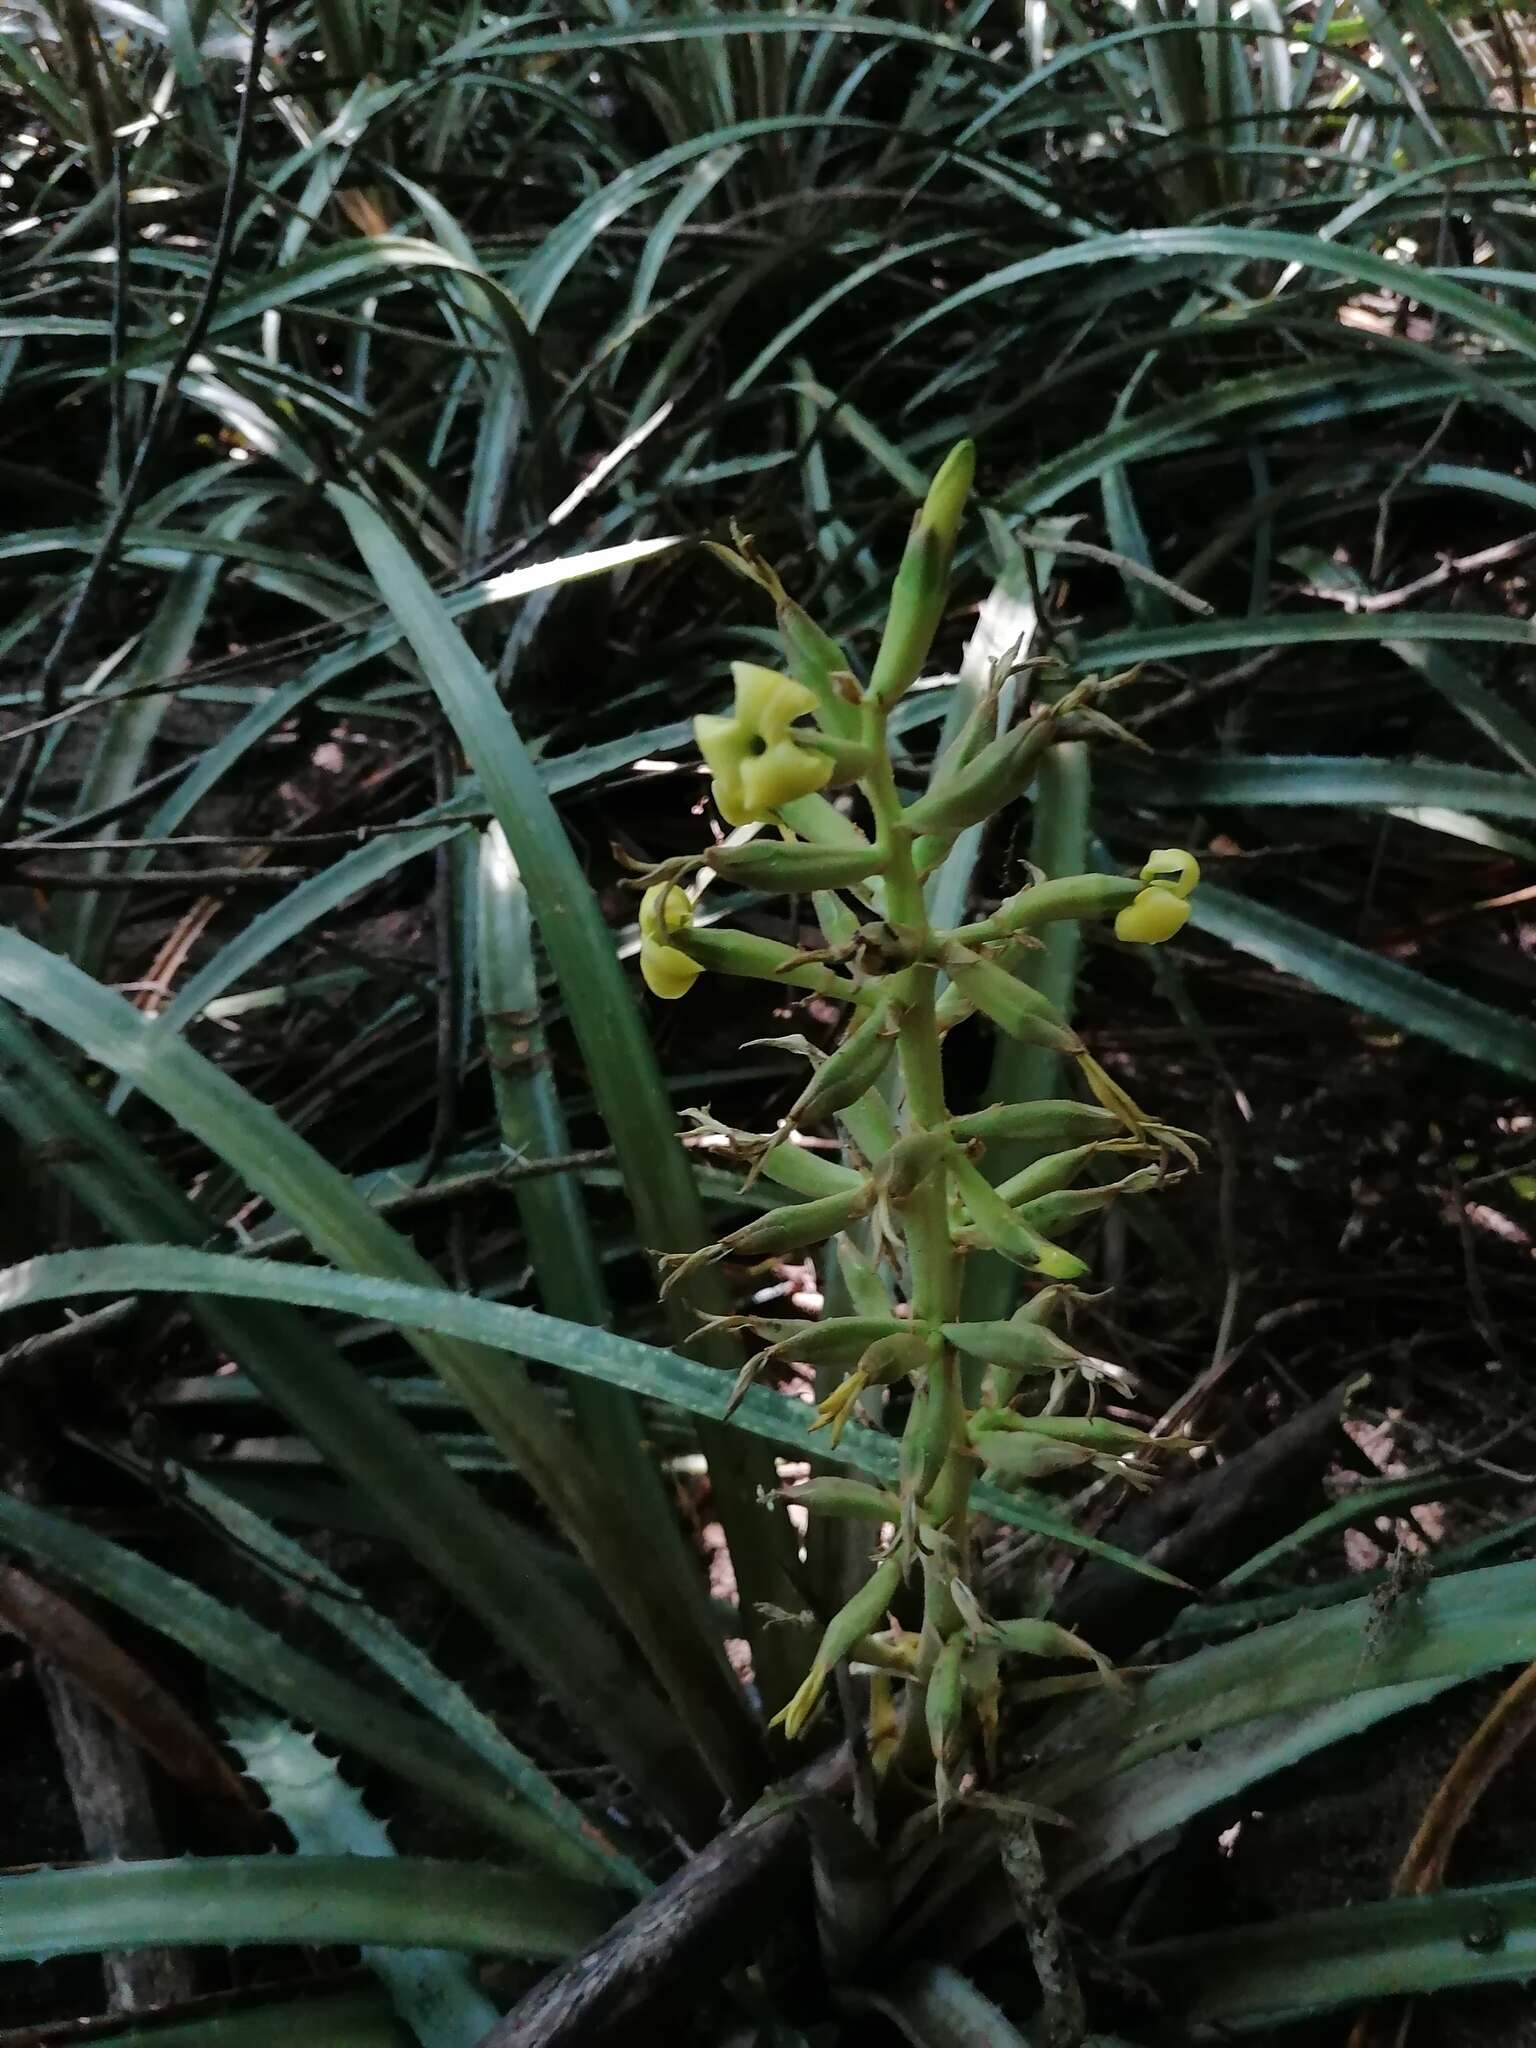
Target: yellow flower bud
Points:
(757, 760)
(1162, 908)
(667, 972)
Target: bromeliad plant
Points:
(912, 1199)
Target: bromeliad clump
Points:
(1010, 1400)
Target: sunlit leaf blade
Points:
(1258, 245)
(1306, 629)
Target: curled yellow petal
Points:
(724, 746)
(666, 972)
(779, 774)
(1155, 915)
(767, 703)
(1170, 867)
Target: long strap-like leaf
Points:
(620, 1361)
(482, 1559)
(236, 1901)
(625, 1078)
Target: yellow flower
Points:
(1162, 908)
(756, 758)
(667, 970)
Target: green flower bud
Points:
(978, 731)
(1047, 1639)
(1022, 1347)
(1058, 1170)
(867, 1289)
(922, 581)
(999, 773)
(910, 1161)
(930, 850)
(943, 1427)
(790, 1229)
(850, 1071)
(807, 1172)
(722, 951)
(913, 1442)
(1001, 1229)
(863, 1615)
(1098, 1433)
(1074, 897)
(850, 1499)
(890, 1358)
(758, 762)
(944, 1709)
(1012, 1004)
(1009, 1454)
(1037, 1123)
(944, 507)
(835, 1340)
(769, 864)
(1050, 1213)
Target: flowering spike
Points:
(901, 1192)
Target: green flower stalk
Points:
(1011, 1400)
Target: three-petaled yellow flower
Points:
(758, 761)
(1162, 908)
(667, 970)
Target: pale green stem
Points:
(933, 1264)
